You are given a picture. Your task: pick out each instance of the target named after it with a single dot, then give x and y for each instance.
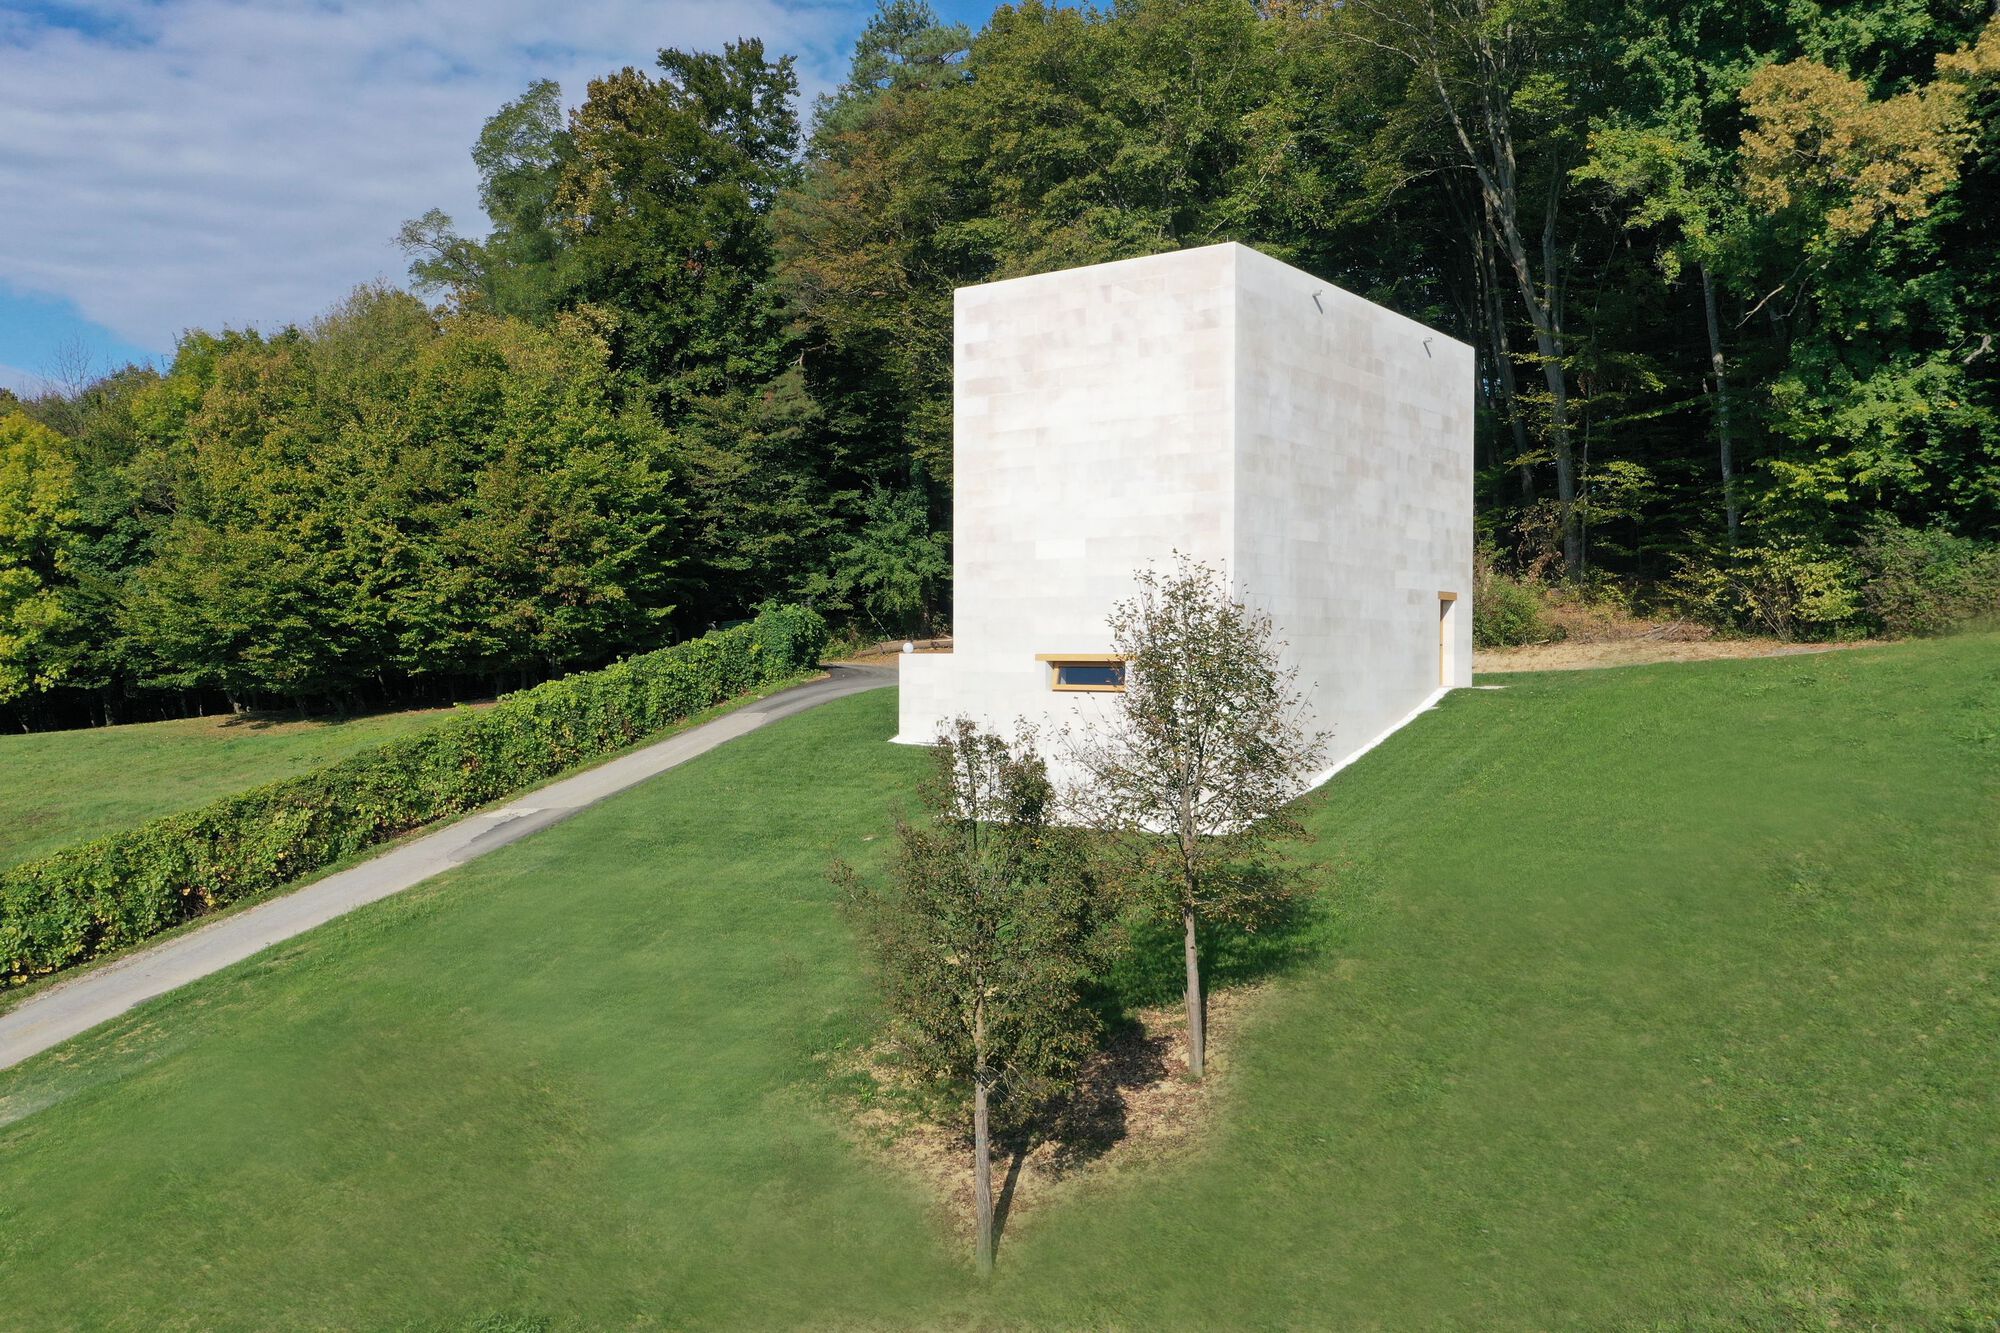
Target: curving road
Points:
(71, 1007)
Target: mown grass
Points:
(60, 787)
(1660, 997)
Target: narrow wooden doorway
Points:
(1447, 637)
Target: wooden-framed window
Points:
(1102, 673)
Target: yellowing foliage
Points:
(1819, 139)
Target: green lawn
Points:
(1659, 997)
(59, 787)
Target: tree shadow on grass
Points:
(1139, 1068)
(1092, 1119)
(1147, 967)
(1132, 1092)
(1003, 1202)
(335, 715)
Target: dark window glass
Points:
(1091, 673)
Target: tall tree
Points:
(664, 202)
(1876, 402)
(1665, 150)
(516, 270)
(1192, 770)
(386, 498)
(905, 47)
(38, 518)
(867, 260)
(894, 570)
(1508, 78)
(981, 944)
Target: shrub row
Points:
(98, 896)
(1899, 581)
(1922, 581)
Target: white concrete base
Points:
(1347, 759)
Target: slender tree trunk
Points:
(982, 1145)
(1503, 363)
(1550, 335)
(1545, 316)
(1498, 173)
(1716, 369)
(1196, 1025)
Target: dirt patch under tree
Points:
(1135, 1106)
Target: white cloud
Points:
(26, 383)
(202, 162)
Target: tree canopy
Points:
(1725, 267)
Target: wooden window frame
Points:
(1057, 661)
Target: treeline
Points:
(385, 504)
(1726, 267)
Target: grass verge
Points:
(60, 787)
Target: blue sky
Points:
(170, 164)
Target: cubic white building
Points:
(1220, 403)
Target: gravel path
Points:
(1641, 650)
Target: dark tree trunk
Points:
(1503, 364)
(1549, 341)
(1544, 306)
(1499, 186)
(1716, 368)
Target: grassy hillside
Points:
(59, 787)
(1658, 997)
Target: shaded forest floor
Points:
(1591, 631)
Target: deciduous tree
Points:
(1192, 766)
(1508, 78)
(981, 944)
(38, 517)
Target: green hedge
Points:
(98, 896)
(1918, 581)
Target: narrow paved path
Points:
(75, 1006)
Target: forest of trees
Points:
(1728, 267)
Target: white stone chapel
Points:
(1220, 403)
